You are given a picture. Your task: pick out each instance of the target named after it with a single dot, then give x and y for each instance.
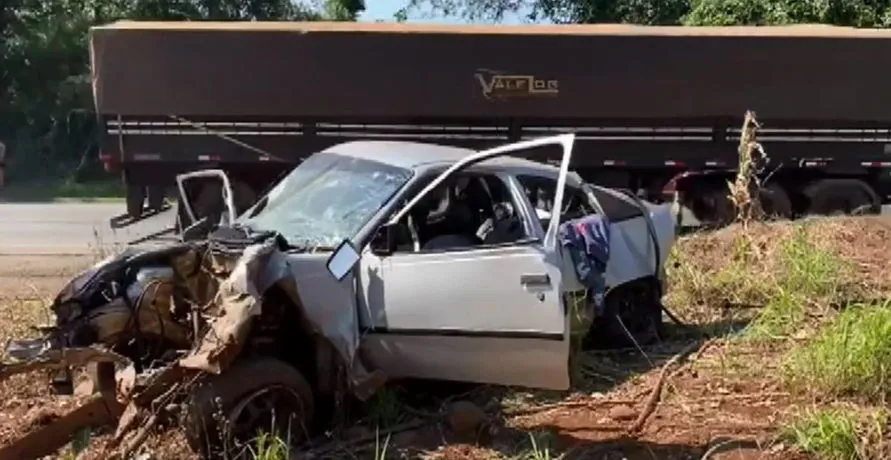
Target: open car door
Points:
(487, 313)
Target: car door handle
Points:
(537, 280)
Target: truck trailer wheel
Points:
(135, 200)
(712, 206)
(841, 196)
(210, 200)
(226, 412)
(775, 202)
(156, 197)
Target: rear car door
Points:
(489, 312)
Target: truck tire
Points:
(156, 197)
(229, 398)
(712, 207)
(135, 200)
(841, 196)
(209, 202)
(775, 202)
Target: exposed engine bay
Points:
(150, 322)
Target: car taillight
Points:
(109, 162)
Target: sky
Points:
(385, 9)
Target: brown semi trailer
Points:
(655, 109)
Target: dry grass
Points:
(812, 295)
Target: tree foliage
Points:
(46, 112)
(858, 13)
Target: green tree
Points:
(858, 13)
(46, 105)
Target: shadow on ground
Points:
(584, 437)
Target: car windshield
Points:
(327, 198)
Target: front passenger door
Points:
(487, 313)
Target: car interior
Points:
(540, 192)
(474, 209)
(467, 210)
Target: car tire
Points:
(639, 308)
(214, 422)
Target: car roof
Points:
(419, 155)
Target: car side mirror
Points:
(384, 241)
(342, 260)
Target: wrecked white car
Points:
(370, 261)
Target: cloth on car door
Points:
(587, 240)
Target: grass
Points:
(269, 447)
(384, 409)
(840, 434)
(805, 282)
(812, 290)
(18, 316)
(851, 356)
(61, 190)
(539, 448)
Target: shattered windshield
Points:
(327, 198)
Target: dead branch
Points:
(745, 189)
(62, 358)
(139, 437)
(98, 411)
(590, 403)
(701, 351)
(728, 444)
(656, 394)
(743, 396)
(360, 443)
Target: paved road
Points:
(69, 228)
(80, 228)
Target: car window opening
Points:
(467, 210)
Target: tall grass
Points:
(839, 434)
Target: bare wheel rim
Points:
(277, 410)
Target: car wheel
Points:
(633, 309)
(227, 412)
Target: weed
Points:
(269, 447)
(849, 356)
(79, 444)
(808, 270)
(782, 314)
(539, 447)
(834, 434)
(380, 450)
(384, 410)
(805, 283)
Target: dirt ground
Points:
(721, 397)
